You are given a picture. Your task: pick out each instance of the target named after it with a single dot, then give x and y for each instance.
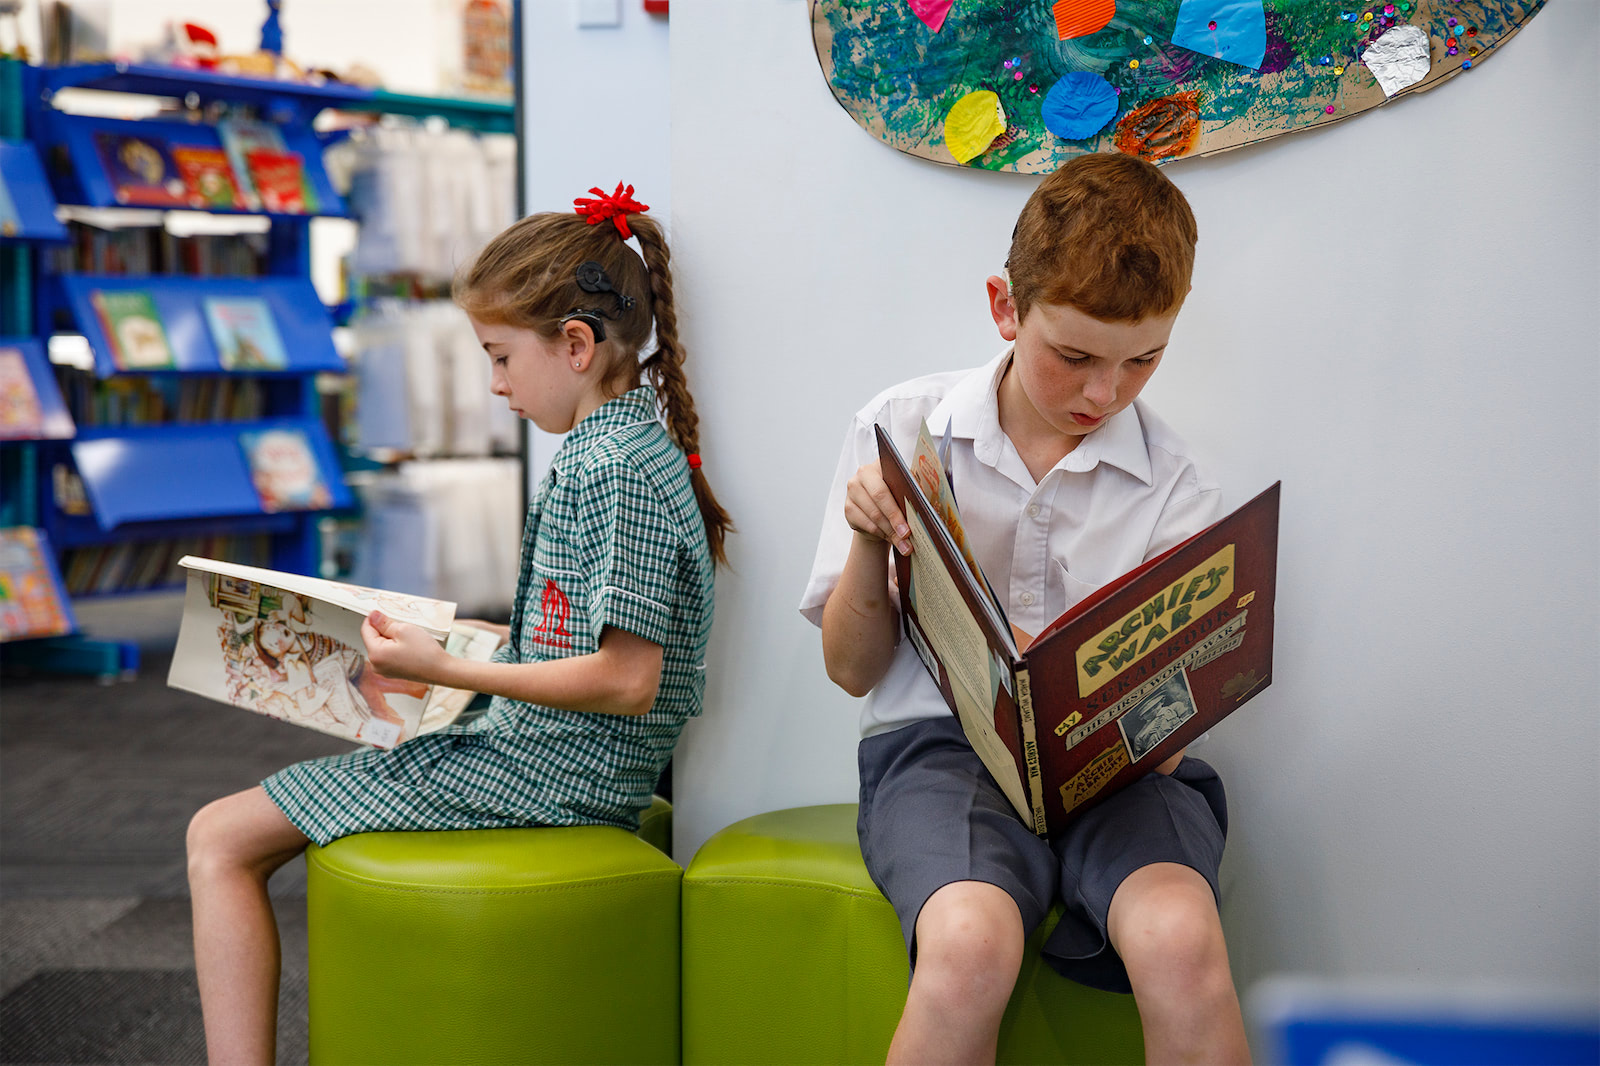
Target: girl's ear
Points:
(577, 339)
(1001, 306)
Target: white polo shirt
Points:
(1127, 492)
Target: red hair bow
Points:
(617, 206)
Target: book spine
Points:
(1030, 750)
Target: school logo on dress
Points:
(554, 609)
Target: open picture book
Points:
(1118, 684)
(290, 647)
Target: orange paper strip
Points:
(1079, 18)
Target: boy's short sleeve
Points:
(833, 544)
(629, 546)
(1185, 516)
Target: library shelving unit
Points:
(36, 620)
(199, 429)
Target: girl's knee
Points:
(238, 833)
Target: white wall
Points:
(1396, 316)
(596, 112)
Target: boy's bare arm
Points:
(861, 620)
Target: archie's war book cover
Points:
(1118, 684)
(290, 647)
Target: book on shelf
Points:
(33, 602)
(245, 333)
(133, 329)
(10, 221)
(290, 647)
(208, 178)
(1113, 688)
(95, 570)
(272, 177)
(141, 170)
(30, 407)
(280, 182)
(284, 470)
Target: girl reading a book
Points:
(604, 657)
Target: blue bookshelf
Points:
(160, 460)
(250, 474)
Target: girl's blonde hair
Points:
(527, 277)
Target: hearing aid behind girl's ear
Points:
(592, 319)
(592, 277)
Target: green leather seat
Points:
(495, 946)
(792, 955)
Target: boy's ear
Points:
(1001, 307)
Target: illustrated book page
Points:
(290, 647)
(446, 704)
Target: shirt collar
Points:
(972, 409)
(629, 409)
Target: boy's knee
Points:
(1169, 929)
(970, 935)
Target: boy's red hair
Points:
(1108, 235)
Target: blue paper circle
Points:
(1079, 106)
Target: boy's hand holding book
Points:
(871, 510)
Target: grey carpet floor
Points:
(97, 785)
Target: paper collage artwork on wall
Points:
(1024, 85)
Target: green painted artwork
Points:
(1024, 85)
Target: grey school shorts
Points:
(931, 815)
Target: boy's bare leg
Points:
(235, 844)
(1163, 921)
(969, 950)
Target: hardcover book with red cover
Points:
(1118, 684)
(279, 178)
(208, 177)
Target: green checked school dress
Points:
(613, 538)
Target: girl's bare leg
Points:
(235, 844)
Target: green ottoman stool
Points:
(495, 946)
(792, 955)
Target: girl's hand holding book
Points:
(402, 651)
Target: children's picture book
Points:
(30, 400)
(446, 704)
(208, 177)
(33, 602)
(1118, 684)
(290, 647)
(133, 329)
(284, 470)
(241, 137)
(245, 333)
(10, 221)
(141, 170)
(280, 182)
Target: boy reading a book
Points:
(1066, 481)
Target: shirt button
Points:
(1026, 598)
(1033, 510)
